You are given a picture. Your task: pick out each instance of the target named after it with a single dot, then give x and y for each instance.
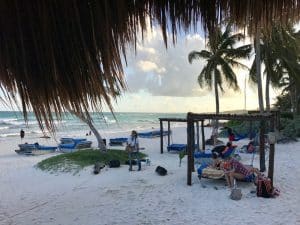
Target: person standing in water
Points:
(22, 134)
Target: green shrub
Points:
(74, 162)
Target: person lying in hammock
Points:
(234, 169)
(228, 151)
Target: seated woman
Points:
(233, 169)
(216, 161)
(250, 147)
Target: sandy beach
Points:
(116, 196)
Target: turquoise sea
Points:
(12, 122)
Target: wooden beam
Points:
(262, 164)
(169, 132)
(198, 144)
(272, 152)
(190, 146)
(161, 137)
(203, 135)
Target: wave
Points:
(9, 135)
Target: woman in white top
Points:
(133, 142)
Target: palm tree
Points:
(279, 53)
(221, 58)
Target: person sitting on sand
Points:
(133, 145)
(234, 169)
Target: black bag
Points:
(114, 163)
(161, 171)
(264, 187)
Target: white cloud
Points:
(162, 80)
(148, 66)
(165, 72)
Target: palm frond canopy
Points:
(59, 55)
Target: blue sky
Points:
(162, 80)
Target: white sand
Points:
(116, 196)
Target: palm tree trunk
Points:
(88, 121)
(268, 107)
(293, 94)
(217, 110)
(258, 73)
(262, 162)
(100, 141)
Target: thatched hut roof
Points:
(67, 54)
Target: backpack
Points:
(264, 187)
(114, 163)
(161, 171)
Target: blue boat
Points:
(35, 149)
(152, 134)
(117, 141)
(68, 145)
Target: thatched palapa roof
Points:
(67, 54)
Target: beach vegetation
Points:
(76, 161)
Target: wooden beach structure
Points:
(263, 117)
(181, 120)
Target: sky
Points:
(162, 80)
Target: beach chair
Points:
(176, 147)
(117, 141)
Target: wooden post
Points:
(272, 152)
(203, 135)
(190, 147)
(262, 163)
(250, 130)
(161, 137)
(169, 132)
(198, 144)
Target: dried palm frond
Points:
(67, 54)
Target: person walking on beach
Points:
(133, 149)
(22, 134)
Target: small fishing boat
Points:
(73, 144)
(35, 149)
(152, 134)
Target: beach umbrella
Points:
(57, 55)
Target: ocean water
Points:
(12, 122)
